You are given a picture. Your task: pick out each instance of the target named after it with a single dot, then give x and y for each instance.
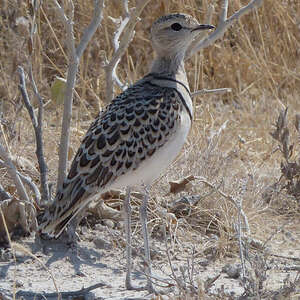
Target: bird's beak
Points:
(203, 27)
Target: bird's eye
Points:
(176, 26)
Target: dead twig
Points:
(213, 91)
(28, 181)
(223, 25)
(285, 257)
(74, 55)
(4, 154)
(230, 198)
(66, 295)
(19, 247)
(174, 276)
(3, 194)
(37, 124)
(126, 29)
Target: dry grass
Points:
(230, 144)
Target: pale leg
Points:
(127, 212)
(143, 217)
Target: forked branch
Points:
(223, 25)
(126, 29)
(4, 154)
(37, 123)
(74, 55)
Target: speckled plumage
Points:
(135, 138)
(179, 16)
(130, 130)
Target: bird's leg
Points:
(70, 235)
(127, 212)
(143, 217)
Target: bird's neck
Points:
(172, 65)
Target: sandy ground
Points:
(99, 258)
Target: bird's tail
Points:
(66, 205)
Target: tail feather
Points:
(58, 215)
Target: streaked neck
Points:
(171, 67)
(168, 64)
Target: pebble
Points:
(109, 223)
(232, 270)
(101, 244)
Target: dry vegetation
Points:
(230, 142)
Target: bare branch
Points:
(3, 194)
(223, 25)
(126, 29)
(27, 180)
(231, 199)
(4, 154)
(74, 59)
(64, 295)
(23, 90)
(224, 10)
(239, 205)
(213, 91)
(91, 29)
(37, 124)
(202, 34)
(68, 100)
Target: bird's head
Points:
(172, 34)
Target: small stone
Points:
(120, 225)
(5, 255)
(204, 262)
(80, 274)
(99, 227)
(109, 223)
(101, 244)
(232, 270)
(19, 283)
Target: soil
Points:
(99, 258)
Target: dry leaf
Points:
(180, 185)
(58, 90)
(112, 194)
(14, 214)
(70, 153)
(11, 189)
(103, 211)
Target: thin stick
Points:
(37, 124)
(223, 25)
(4, 154)
(3, 194)
(213, 91)
(240, 238)
(74, 59)
(39, 141)
(126, 29)
(27, 180)
(62, 294)
(228, 197)
(179, 285)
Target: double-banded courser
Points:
(136, 137)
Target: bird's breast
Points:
(154, 165)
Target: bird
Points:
(135, 138)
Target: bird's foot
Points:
(149, 287)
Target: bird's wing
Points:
(135, 125)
